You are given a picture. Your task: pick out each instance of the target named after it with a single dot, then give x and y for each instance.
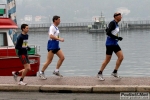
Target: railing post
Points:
(7, 51)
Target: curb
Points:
(66, 88)
(143, 88)
(114, 88)
(75, 89)
(18, 88)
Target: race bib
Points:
(25, 43)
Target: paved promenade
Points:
(76, 84)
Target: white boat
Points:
(99, 25)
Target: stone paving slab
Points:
(88, 84)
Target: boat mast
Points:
(11, 11)
(11, 6)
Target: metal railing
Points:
(138, 22)
(77, 24)
(6, 48)
(61, 24)
(36, 47)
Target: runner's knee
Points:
(62, 58)
(120, 58)
(27, 67)
(106, 61)
(48, 62)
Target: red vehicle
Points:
(9, 61)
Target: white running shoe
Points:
(115, 75)
(42, 75)
(100, 76)
(15, 76)
(57, 73)
(22, 83)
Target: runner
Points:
(53, 48)
(112, 46)
(22, 47)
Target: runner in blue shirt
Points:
(53, 48)
(112, 46)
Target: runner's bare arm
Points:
(56, 38)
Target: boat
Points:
(9, 61)
(99, 25)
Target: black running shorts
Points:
(54, 51)
(24, 59)
(112, 48)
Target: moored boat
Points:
(9, 61)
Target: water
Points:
(85, 52)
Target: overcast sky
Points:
(84, 10)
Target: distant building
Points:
(37, 18)
(28, 18)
